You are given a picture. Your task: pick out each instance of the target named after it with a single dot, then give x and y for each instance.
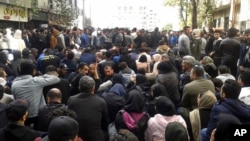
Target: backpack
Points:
(134, 124)
(246, 61)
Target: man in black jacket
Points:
(54, 97)
(92, 113)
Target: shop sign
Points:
(13, 13)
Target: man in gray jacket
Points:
(184, 42)
(30, 88)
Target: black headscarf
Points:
(159, 90)
(134, 102)
(175, 131)
(223, 126)
(165, 106)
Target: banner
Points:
(13, 13)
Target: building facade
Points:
(40, 13)
(232, 13)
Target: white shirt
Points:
(245, 95)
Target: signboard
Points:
(13, 13)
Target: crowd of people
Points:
(123, 85)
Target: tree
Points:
(197, 11)
(67, 13)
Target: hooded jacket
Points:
(15, 132)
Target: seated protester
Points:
(228, 104)
(157, 90)
(199, 117)
(54, 97)
(115, 100)
(175, 131)
(125, 135)
(3, 117)
(169, 78)
(166, 114)
(132, 116)
(245, 87)
(209, 66)
(17, 113)
(126, 73)
(222, 131)
(224, 73)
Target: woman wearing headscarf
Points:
(166, 114)
(156, 91)
(132, 116)
(169, 78)
(175, 131)
(199, 117)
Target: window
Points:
(226, 23)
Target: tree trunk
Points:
(194, 14)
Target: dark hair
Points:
(224, 69)
(17, 54)
(231, 88)
(123, 65)
(62, 111)
(232, 32)
(50, 68)
(26, 67)
(217, 82)
(185, 28)
(159, 90)
(70, 55)
(164, 67)
(54, 93)
(108, 54)
(87, 50)
(3, 57)
(244, 76)
(165, 106)
(143, 58)
(247, 31)
(81, 65)
(198, 70)
(1, 91)
(141, 71)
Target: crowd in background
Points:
(121, 84)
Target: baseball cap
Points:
(63, 66)
(63, 127)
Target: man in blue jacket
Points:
(229, 104)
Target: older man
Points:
(92, 113)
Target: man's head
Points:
(17, 111)
(186, 30)
(27, 68)
(232, 32)
(217, 34)
(63, 128)
(63, 68)
(188, 62)
(51, 70)
(109, 71)
(230, 89)
(247, 35)
(196, 72)
(83, 68)
(87, 84)
(54, 95)
(243, 79)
